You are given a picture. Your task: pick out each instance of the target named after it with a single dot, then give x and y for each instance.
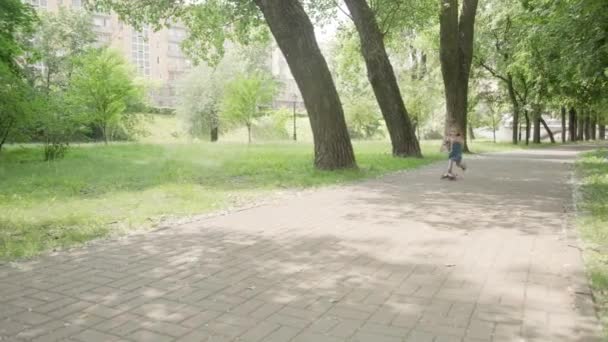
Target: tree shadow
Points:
(402, 258)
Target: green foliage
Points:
(593, 222)
(16, 104)
(486, 109)
(199, 97)
(273, 126)
(101, 88)
(61, 39)
(200, 91)
(245, 98)
(363, 119)
(57, 123)
(210, 23)
(16, 26)
(556, 51)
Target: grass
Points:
(99, 190)
(593, 224)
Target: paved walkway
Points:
(403, 258)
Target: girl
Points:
(455, 144)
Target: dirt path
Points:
(406, 257)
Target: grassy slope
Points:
(593, 224)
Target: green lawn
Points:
(593, 223)
(99, 190)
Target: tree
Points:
(382, 78)
(198, 101)
(102, 86)
(15, 103)
(490, 115)
(57, 122)
(456, 54)
(244, 98)
(363, 119)
(16, 26)
(60, 40)
(200, 94)
(500, 28)
(212, 22)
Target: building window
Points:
(175, 50)
(140, 51)
(177, 34)
(38, 3)
(102, 22)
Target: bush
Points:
(433, 135)
(363, 119)
(272, 126)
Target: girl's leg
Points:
(450, 166)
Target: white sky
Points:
(326, 33)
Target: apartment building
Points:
(157, 56)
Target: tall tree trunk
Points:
(536, 136)
(422, 65)
(542, 121)
(572, 124)
(515, 105)
(471, 132)
(593, 126)
(602, 131)
(104, 132)
(295, 35)
(527, 116)
(6, 132)
(214, 131)
(580, 126)
(214, 134)
(563, 124)
(587, 127)
(249, 133)
(519, 131)
(456, 53)
(384, 83)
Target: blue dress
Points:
(456, 151)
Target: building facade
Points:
(158, 57)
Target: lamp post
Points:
(295, 135)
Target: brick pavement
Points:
(402, 258)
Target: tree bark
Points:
(593, 126)
(214, 134)
(456, 53)
(542, 121)
(294, 33)
(572, 124)
(602, 131)
(527, 116)
(515, 105)
(536, 136)
(563, 124)
(519, 132)
(6, 132)
(580, 126)
(384, 83)
(587, 128)
(471, 132)
(104, 132)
